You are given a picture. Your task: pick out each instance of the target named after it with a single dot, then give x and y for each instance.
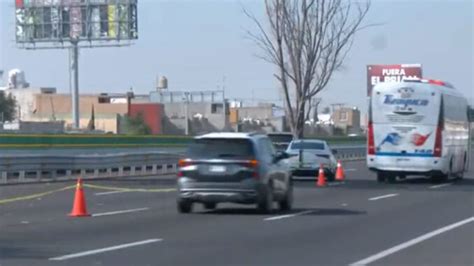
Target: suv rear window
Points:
(307, 145)
(220, 148)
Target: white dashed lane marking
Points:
(287, 216)
(410, 243)
(119, 212)
(383, 197)
(440, 186)
(102, 250)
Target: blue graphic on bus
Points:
(390, 99)
(392, 138)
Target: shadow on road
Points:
(296, 211)
(9, 252)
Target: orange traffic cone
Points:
(340, 176)
(321, 177)
(79, 207)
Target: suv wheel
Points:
(287, 202)
(184, 206)
(265, 201)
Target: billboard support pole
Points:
(75, 76)
(186, 113)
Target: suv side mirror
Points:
(280, 155)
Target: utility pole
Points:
(130, 95)
(224, 116)
(186, 113)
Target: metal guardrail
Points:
(35, 168)
(38, 168)
(351, 153)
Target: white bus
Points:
(417, 127)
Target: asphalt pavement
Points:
(135, 222)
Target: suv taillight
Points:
(183, 163)
(252, 164)
(370, 139)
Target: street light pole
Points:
(224, 116)
(75, 76)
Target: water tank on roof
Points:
(16, 79)
(162, 83)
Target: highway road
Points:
(412, 222)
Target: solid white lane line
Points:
(440, 186)
(384, 196)
(339, 183)
(412, 242)
(111, 192)
(119, 212)
(286, 216)
(102, 250)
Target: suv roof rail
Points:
(254, 133)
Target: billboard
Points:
(75, 20)
(391, 73)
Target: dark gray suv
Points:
(234, 167)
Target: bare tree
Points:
(307, 40)
(313, 105)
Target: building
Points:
(44, 104)
(347, 119)
(262, 117)
(47, 127)
(192, 112)
(152, 115)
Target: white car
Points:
(307, 155)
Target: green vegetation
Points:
(136, 125)
(28, 141)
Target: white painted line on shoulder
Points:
(339, 183)
(286, 216)
(384, 196)
(410, 243)
(111, 192)
(350, 170)
(119, 212)
(102, 250)
(440, 186)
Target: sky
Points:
(202, 44)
